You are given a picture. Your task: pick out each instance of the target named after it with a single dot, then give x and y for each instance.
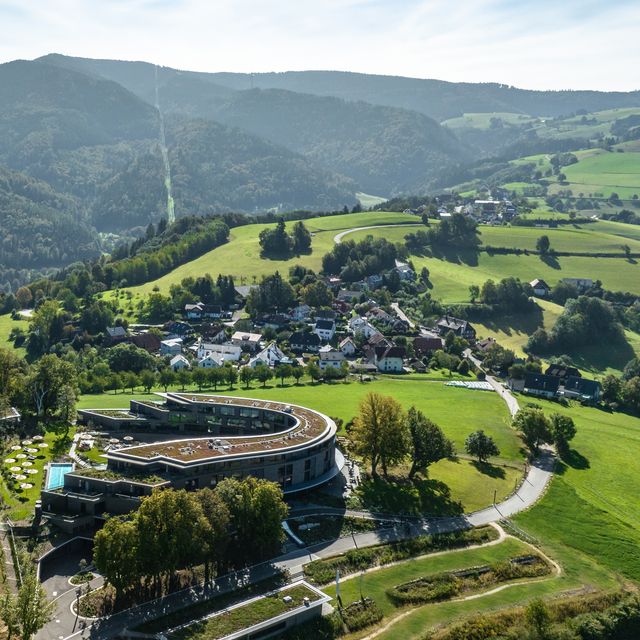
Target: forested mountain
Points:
(436, 98)
(383, 149)
(217, 168)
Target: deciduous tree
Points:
(427, 442)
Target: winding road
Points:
(338, 237)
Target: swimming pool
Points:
(55, 477)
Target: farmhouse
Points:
(460, 328)
(577, 388)
(540, 288)
(537, 384)
(389, 359)
(562, 371)
(231, 437)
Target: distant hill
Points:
(435, 98)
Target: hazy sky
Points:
(529, 43)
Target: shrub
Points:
(360, 614)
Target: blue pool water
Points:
(55, 477)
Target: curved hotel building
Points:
(227, 437)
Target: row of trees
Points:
(353, 261)
(237, 523)
(536, 428)
(460, 232)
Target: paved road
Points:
(402, 315)
(338, 237)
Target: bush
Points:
(361, 614)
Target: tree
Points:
(199, 377)
(543, 244)
(216, 540)
(231, 375)
(474, 292)
(147, 380)
(115, 553)
(131, 380)
(32, 607)
(481, 446)
(428, 443)
(66, 404)
(9, 614)
(263, 374)
(48, 377)
(297, 372)
(538, 618)
(273, 293)
(317, 294)
(534, 426)
(283, 371)
(301, 238)
(562, 430)
(631, 369)
(184, 378)
(216, 376)
(380, 433)
(246, 376)
(166, 378)
(631, 394)
(314, 371)
(24, 297)
(275, 241)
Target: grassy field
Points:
(591, 506)
(483, 120)
(6, 325)
(451, 486)
(241, 258)
(367, 200)
(604, 173)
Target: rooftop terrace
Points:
(309, 426)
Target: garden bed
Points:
(324, 571)
(360, 614)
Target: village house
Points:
(330, 357)
(179, 362)
(178, 327)
(199, 310)
(406, 273)
(374, 281)
(246, 341)
(213, 333)
(171, 347)
(362, 326)
(228, 352)
(460, 328)
(211, 361)
(300, 313)
(562, 371)
(389, 359)
(426, 346)
(540, 288)
(485, 344)
(115, 335)
(587, 391)
(581, 284)
(325, 329)
(304, 341)
(537, 384)
(148, 341)
(348, 347)
(270, 356)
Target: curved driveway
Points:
(338, 237)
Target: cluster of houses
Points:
(559, 381)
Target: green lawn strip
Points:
(245, 616)
(6, 325)
(323, 571)
(375, 583)
(21, 501)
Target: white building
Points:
(362, 326)
(171, 347)
(301, 312)
(405, 271)
(348, 347)
(270, 356)
(330, 357)
(325, 329)
(244, 340)
(389, 359)
(230, 352)
(179, 362)
(211, 361)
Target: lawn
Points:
(451, 486)
(592, 504)
(22, 501)
(6, 325)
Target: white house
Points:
(330, 358)
(362, 326)
(171, 347)
(270, 356)
(230, 352)
(405, 271)
(244, 340)
(211, 361)
(325, 329)
(348, 347)
(301, 312)
(179, 362)
(389, 359)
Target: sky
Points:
(537, 44)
